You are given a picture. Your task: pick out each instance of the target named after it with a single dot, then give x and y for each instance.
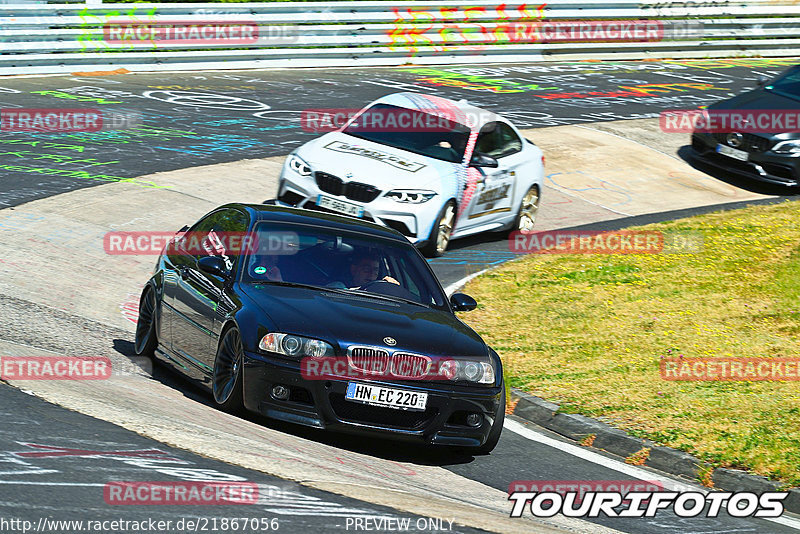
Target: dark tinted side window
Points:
(509, 140)
(220, 234)
(497, 139)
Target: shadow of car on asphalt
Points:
(686, 153)
(378, 447)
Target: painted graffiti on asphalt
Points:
(190, 119)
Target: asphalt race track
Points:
(60, 293)
(181, 120)
(55, 463)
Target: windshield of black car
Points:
(787, 85)
(415, 131)
(305, 255)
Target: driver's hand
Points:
(390, 279)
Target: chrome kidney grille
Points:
(369, 360)
(404, 365)
(377, 361)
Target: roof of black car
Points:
(264, 212)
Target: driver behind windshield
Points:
(364, 269)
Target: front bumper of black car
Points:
(764, 166)
(321, 404)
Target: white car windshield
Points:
(412, 130)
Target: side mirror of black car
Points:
(462, 302)
(482, 160)
(213, 265)
(762, 80)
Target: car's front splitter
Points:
(322, 404)
(756, 168)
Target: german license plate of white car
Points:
(741, 155)
(392, 398)
(339, 206)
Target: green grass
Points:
(588, 332)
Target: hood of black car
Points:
(757, 99)
(346, 319)
(762, 100)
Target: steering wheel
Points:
(374, 283)
(383, 287)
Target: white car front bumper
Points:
(412, 220)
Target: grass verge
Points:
(588, 332)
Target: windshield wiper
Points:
(340, 291)
(387, 297)
(358, 136)
(288, 284)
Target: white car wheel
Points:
(445, 229)
(441, 232)
(528, 210)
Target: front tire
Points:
(226, 383)
(442, 229)
(146, 339)
(528, 211)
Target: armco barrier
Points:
(54, 38)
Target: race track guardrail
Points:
(56, 38)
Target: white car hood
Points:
(385, 167)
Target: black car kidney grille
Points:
(369, 361)
(357, 191)
(329, 183)
(361, 192)
(750, 142)
(377, 415)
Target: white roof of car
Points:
(459, 111)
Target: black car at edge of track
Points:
(768, 155)
(251, 324)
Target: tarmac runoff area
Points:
(61, 291)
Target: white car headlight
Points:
(299, 166)
(411, 196)
(295, 346)
(791, 148)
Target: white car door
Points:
(495, 192)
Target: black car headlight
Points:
(469, 370)
(295, 346)
(299, 166)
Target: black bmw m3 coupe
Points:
(323, 321)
